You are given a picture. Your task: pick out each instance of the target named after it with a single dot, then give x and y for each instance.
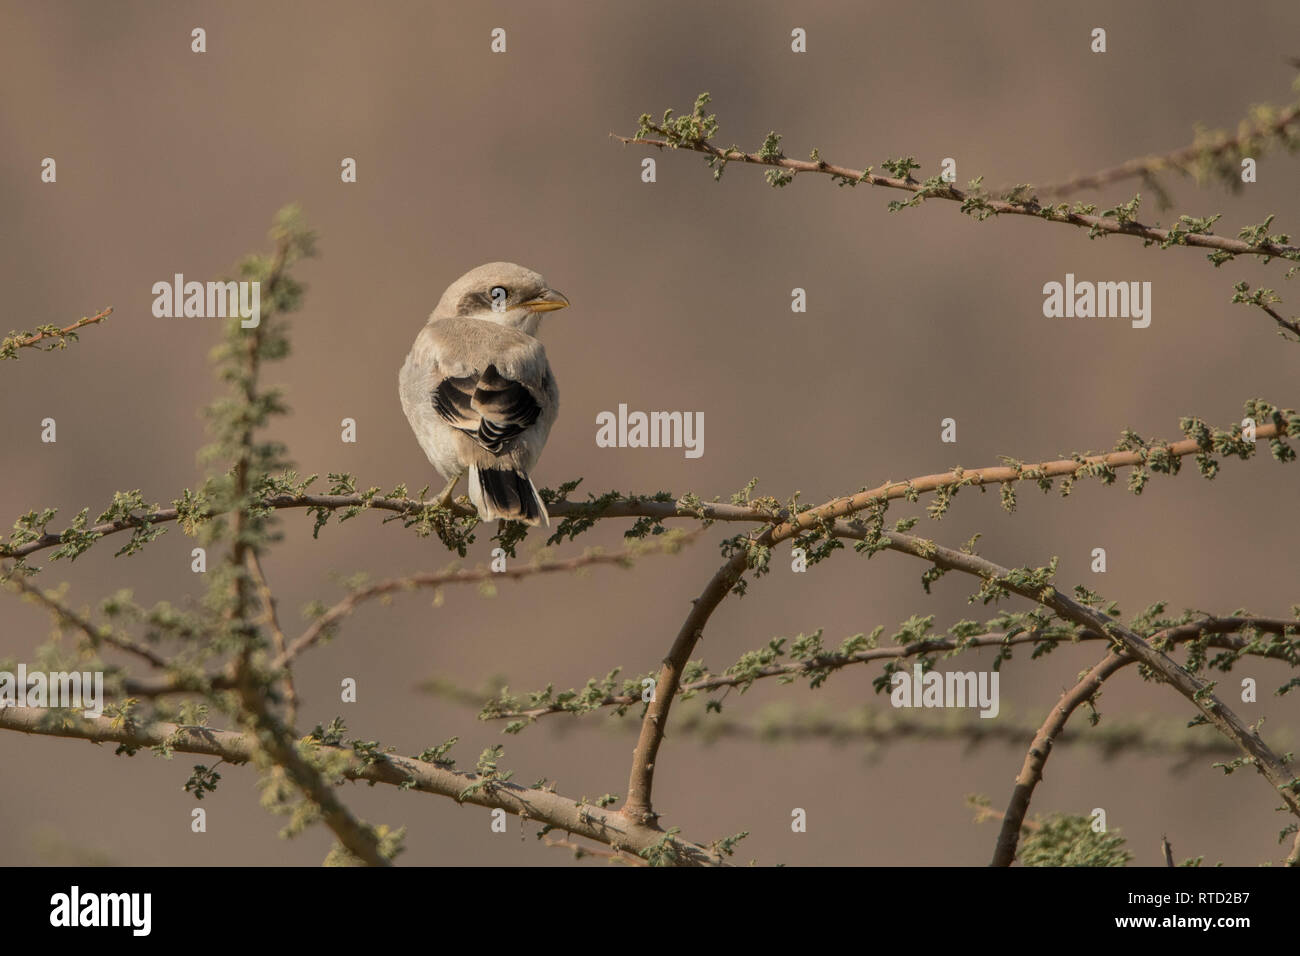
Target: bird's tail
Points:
(506, 493)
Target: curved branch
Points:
(1032, 770)
(637, 807)
(1031, 773)
(1197, 691)
(641, 777)
(1000, 474)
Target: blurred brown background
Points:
(169, 161)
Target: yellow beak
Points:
(548, 301)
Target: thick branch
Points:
(641, 777)
(544, 806)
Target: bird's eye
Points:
(499, 294)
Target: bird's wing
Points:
(487, 406)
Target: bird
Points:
(479, 392)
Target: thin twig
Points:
(1025, 207)
(97, 634)
(435, 579)
(984, 812)
(580, 850)
(1179, 159)
(1292, 326)
(272, 620)
(1221, 627)
(14, 341)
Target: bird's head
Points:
(500, 292)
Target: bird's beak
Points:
(548, 301)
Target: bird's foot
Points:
(444, 498)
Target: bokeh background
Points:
(170, 161)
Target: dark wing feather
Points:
(453, 399)
(489, 407)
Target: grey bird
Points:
(479, 392)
